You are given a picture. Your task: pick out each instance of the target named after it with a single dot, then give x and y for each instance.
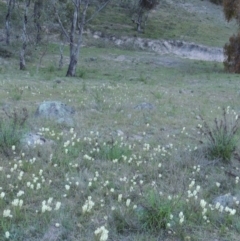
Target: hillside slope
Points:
(189, 20)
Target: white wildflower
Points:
(128, 202)
(7, 235)
(101, 233)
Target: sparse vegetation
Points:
(116, 166)
(123, 172)
(12, 130)
(156, 214)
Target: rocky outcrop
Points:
(176, 47)
(57, 111)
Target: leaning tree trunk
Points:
(75, 47)
(24, 37)
(10, 7)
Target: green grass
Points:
(141, 174)
(153, 149)
(12, 129)
(170, 21)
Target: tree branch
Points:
(60, 23)
(98, 10)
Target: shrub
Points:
(11, 130)
(156, 212)
(221, 138)
(122, 222)
(81, 73)
(5, 53)
(16, 93)
(232, 54)
(114, 151)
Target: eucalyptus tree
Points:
(231, 9)
(25, 37)
(139, 10)
(10, 8)
(38, 12)
(72, 16)
(25, 26)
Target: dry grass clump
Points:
(221, 138)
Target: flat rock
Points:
(57, 111)
(121, 58)
(144, 106)
(31, 140)
(227, 200)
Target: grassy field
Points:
(191, 21)
(135, 165)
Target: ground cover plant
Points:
(135, 165)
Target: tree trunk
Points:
(72, 66)
(24, 36)
(140, 19)
(38, 8)
(75, 47)
(10, 7)
(60, 63)
(22, 57)
(78, 22)
(139, 29)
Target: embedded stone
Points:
(57, 111)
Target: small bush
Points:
(5, 53)
(156, 213)
(143, 79)
(81, 73)
(16, 93)
(50, 69)
(122, 222)
(232, 56)
(114, 151)
(221, 138)
(11, 130)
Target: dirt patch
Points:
(52, 234)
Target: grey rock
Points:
(31, 140)
(227, 200)
(120, 133)
(121, 58)
(144, 106)
(136, 138)
(57, 111)
(58, 81)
